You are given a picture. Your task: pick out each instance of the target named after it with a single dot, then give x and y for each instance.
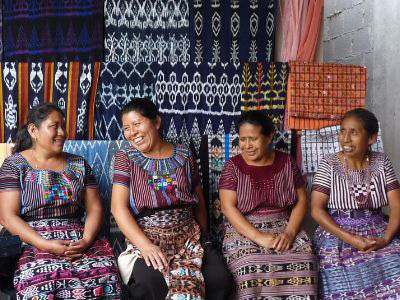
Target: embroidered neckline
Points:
(162, 166)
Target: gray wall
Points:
(367, 32)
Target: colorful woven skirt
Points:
(176, 232)
(346, 273)
(262, 273)
(44, 276)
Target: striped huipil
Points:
(265, 195)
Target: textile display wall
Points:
(119, 83)
(198, 100)
(264, 88)
(320, 94)
(232, 32)
(72, 86)
(35, 30)
(147, 31)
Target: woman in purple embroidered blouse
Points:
(44, 195)
(263, 198)
(358, 249)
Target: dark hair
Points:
(36, 116)
(367, 118)
(143, 106)
(257, 118)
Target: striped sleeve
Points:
(121, 170)
(391, 179)
(9, 176)
(298, 179)
(229, 177)
(322, 179)
(90, 180)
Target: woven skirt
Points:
(44, 276)
(345, 272)
(262, 273)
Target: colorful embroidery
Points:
(162, 183)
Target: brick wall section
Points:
(347, 36)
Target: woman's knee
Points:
(146, 282)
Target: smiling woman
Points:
(358, 249)
(44, 193)
(158, 203)
(263, 198)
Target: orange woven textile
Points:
(320, 94)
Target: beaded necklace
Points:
(360, 199)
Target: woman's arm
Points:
(318, 212)
(239, 222)
(284, 240)
(10, 219)
(394, 220)
(200, 211)
(120, 209)
(93, 221)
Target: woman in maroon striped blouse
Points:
(263, 198)
(158, 204)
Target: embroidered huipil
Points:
(157, 183)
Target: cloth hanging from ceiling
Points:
(147, 31)
(199, 100)
(1, 30)
(315, 144)
(35, 30)
(310, 31)
(318, 95)
(232, 32)
(299, 25)
(119, 84)
(264, 88)
(72, 86)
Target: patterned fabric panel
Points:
(264, 88)
(232, 32)
(71, 86)
(195, 101)
(37, 30)
(320, 94)
(147, 31)
(98, 155)
(119, 84)
(315, 144)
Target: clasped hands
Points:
(279, 242)
(364, 244)
(70, 250)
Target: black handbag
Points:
(10, 251)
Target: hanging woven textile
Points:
(320, 94)
(37, 30)
(72, 86)
(264, 88)
(147, 31)
(232, 32)
(315, 144)
(119, 84)
(1, 30)
(195, 101)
